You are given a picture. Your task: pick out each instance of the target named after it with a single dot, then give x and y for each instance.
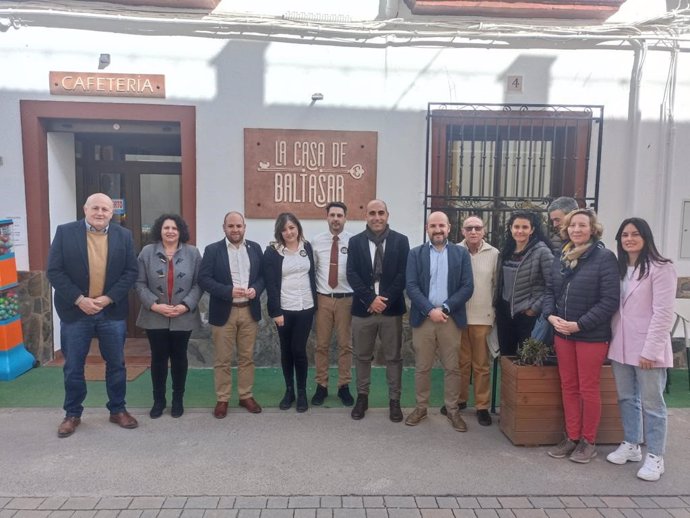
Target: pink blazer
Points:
(642, 324)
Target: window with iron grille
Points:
(489, 160)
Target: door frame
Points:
(35, 114)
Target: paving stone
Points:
(488, 502)
(226, 502)
(686, 499)
(24, 503)
(529, 513)
(191, 513)
(505, 513)
(485, 513)
(546, 502)
(218, 513)
(304, 502)
(147, 502)
(446, 502)
(130, 513)
(249, 513)
(608, 512)
(31, 513)
(680, 512)
(349, 513)
(584, 513)
(150, 513)
(668, 501)
(7, 513)
(398, 502)
(629, 513)
(202, 502)
(467, 502)
(175, 502)
(645, 502)
(81, 503)
(377, 513)
(515, 502)
(324, 513)
(464, 513)
(653, 513)
(62, 514)
(4, 500)
(403, 512)
(305, 513)
(277, 513)
(593, 501)
(370, 502)
(169, 513)
(436, 513)
(556, 513)
(331, 501)
(250, 502)
(85, 514)
(572, 502)
(53, 502)
(277, 502)
(358, 502)
(426, 502)
(114, 502)
(618, 502)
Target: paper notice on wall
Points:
(18, 230)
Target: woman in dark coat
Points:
(581, 298)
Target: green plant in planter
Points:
(534, 352)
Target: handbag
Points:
(543, 330)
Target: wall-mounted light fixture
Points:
(317, 97)
(103, 61)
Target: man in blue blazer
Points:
(439, 282)
(376, 263)
(231, 273)
(92, 266)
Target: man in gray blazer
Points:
(439, 283)
(231, 273)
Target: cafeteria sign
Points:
(302, 171)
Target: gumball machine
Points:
(14, 358)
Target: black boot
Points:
(288, 399)
(395, 413)
(302, 404)
(177, 408)
(159, 404)
(320, 394)
(345, 396)
(361, 406)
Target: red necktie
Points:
(333, 265)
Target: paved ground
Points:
(322, 463)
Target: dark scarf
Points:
(378, 240)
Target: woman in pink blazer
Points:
(640, 349)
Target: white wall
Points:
(237, 84)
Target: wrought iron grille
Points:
(491, 159)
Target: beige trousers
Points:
(333, 313)
(475, 358)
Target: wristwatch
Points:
(445, 310)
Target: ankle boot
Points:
(302, 404)
(361, 406)
(288, 399)
(177, 408)
(159, 404)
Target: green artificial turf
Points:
(42, 387)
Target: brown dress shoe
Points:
(68, 426)
(221, 410)
(251, 405)
(124, 420)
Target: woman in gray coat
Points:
(169, 293)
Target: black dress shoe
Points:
(302, 404)
(320, 394)
(395, 413)
(484, 417)
(288, 399)
(361, 406)
(157, 409)
(345, 396)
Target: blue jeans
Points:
(75, 340)
(641, 397)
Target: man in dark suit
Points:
(92, 266)
(439, 283)
(231, 273)
(376, 272)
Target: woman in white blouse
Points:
(288, 269)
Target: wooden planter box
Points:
(532, 410)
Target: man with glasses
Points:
(474, 350)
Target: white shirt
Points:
(372, 252)
(238, 259)
(322, 257)
(295, 288)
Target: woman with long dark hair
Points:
(640, 350)
(581, 297)
(169, 292)
(524, 266)
(288, 267)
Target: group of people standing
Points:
(597, 304)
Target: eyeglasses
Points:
(470, 229)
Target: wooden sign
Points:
(107, 85)
(301, 171)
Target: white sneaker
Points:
(627, 451)
(653, 468)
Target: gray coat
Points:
(530, 279)
(152, 287)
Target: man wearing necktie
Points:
(376, 263)
(334, 305)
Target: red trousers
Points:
(579, 366)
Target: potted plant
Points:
(531, 412)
